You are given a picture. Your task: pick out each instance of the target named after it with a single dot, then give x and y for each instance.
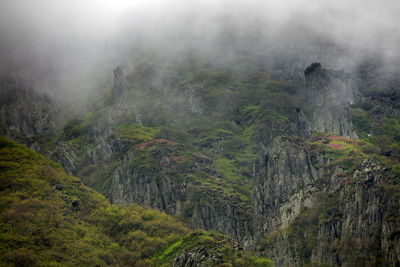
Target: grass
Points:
(382, 136)
(135, 133)
(342, 152)
(361, 123)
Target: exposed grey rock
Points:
(67, 155)
(363, 225)
(120, 87)
(28, 117)
(328, 95)
(359, 224)
(128, 185)
(209, 209)
(285, 173)
(214, 211)
(199, 257)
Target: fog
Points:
(68, 48)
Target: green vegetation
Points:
(215, 244)
(134, 133)
(382, 137)
(73, 128)
(342, 152)
(49, 218)
(389, 136)
(361, 122)
(303, 232)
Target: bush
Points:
(313, 67)
(75, 128)
(361, 122)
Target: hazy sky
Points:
(72, 41)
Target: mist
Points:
(68, 48)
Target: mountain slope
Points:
(179, 140)
(49, 218)
(279, 166)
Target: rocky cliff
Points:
(119, 88)
(351, 221)
(364, 225)
(25, 115)
(167, 183)
(318, 200)
(285, 175)
(328, 95)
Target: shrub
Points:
(313, 67)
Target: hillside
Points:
(180, 138)
(199, 133)
(48, 218)
(301, 170)
(250, 155)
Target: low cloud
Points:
(71, 46)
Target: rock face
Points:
(285, 174)
(222, 213)
(67, 155)
(27, 116)
(173, 193)
(120, 87)
(197, 258)
(364, 231)
(341, 217)
(328, 95)
(305, 211)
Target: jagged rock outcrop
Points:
(285, 174)
(67, 155)
(347, 222)
(305, 210)
(328, 95)
(104, 150)
(365, 230)
(199, 257)
(174, 193)
(216, 211)
(157, 189)
(27, 117)
(120, 86)
(126, 105)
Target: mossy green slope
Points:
(49, 218)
